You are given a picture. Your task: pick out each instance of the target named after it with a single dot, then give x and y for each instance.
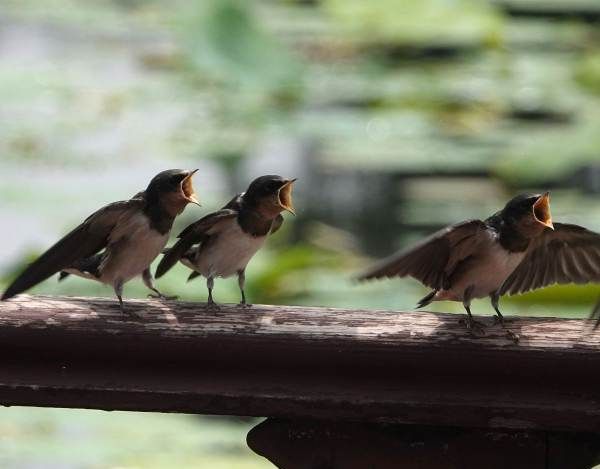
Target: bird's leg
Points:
(210, 283)
(118, 287)
(149, 282)
(241, 283)
(119, 292)
(495, 297)
(596, 314)
(472, 325)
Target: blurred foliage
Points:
(97, 96)
(381, 86)
(224, 42)
(588, 72)
(250, 74)
(278, 280)
(415, 22)
(87, 439)
(519, 169)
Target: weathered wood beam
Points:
(313, 444)
(299, 362)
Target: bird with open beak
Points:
(515, 250)
(119, 241)
(222, 243)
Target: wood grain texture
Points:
(285, 361)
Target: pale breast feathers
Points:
(228, 250)
(133, 245)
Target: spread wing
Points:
(84, 241)
(569, 254)
(433, 260)
(195, 233)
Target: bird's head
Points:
(270, 195)
(173, 189)
(529, 214)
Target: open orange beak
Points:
(541, 211)
(187, 189)
(285, 196)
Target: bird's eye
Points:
(176, 179)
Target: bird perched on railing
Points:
(515, 250)
(222, 243)
(119, 241)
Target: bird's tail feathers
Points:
(172, 256)
(193, 275)
(77, 244)
(63, 275)
(426, 299)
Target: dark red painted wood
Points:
(299, 362)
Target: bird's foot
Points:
(128, 314)
(160, 296)
(502, 320)
(243, 304)
(510, 335)
(473, 326)
(212, 306)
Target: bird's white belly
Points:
(80, 274)
(228, 253)
(133, 252)
(486, 275)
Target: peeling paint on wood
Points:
(287, 361)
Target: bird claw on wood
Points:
(473, 326)
(128, 314)
(510, 335)
(502, 320)
(160, 296)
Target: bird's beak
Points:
(541, 211)
(188, 189)
(284, 196)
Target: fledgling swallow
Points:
(516, 250)
(222, 243)
(119, 241)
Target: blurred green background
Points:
(397, 117)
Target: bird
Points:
(222, 243)
(515, 250)
(117, 242)
(596, 314)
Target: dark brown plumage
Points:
(514, 251)
(222, 243)
(569, 254)
(117, 242)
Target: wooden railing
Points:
(341, 388)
